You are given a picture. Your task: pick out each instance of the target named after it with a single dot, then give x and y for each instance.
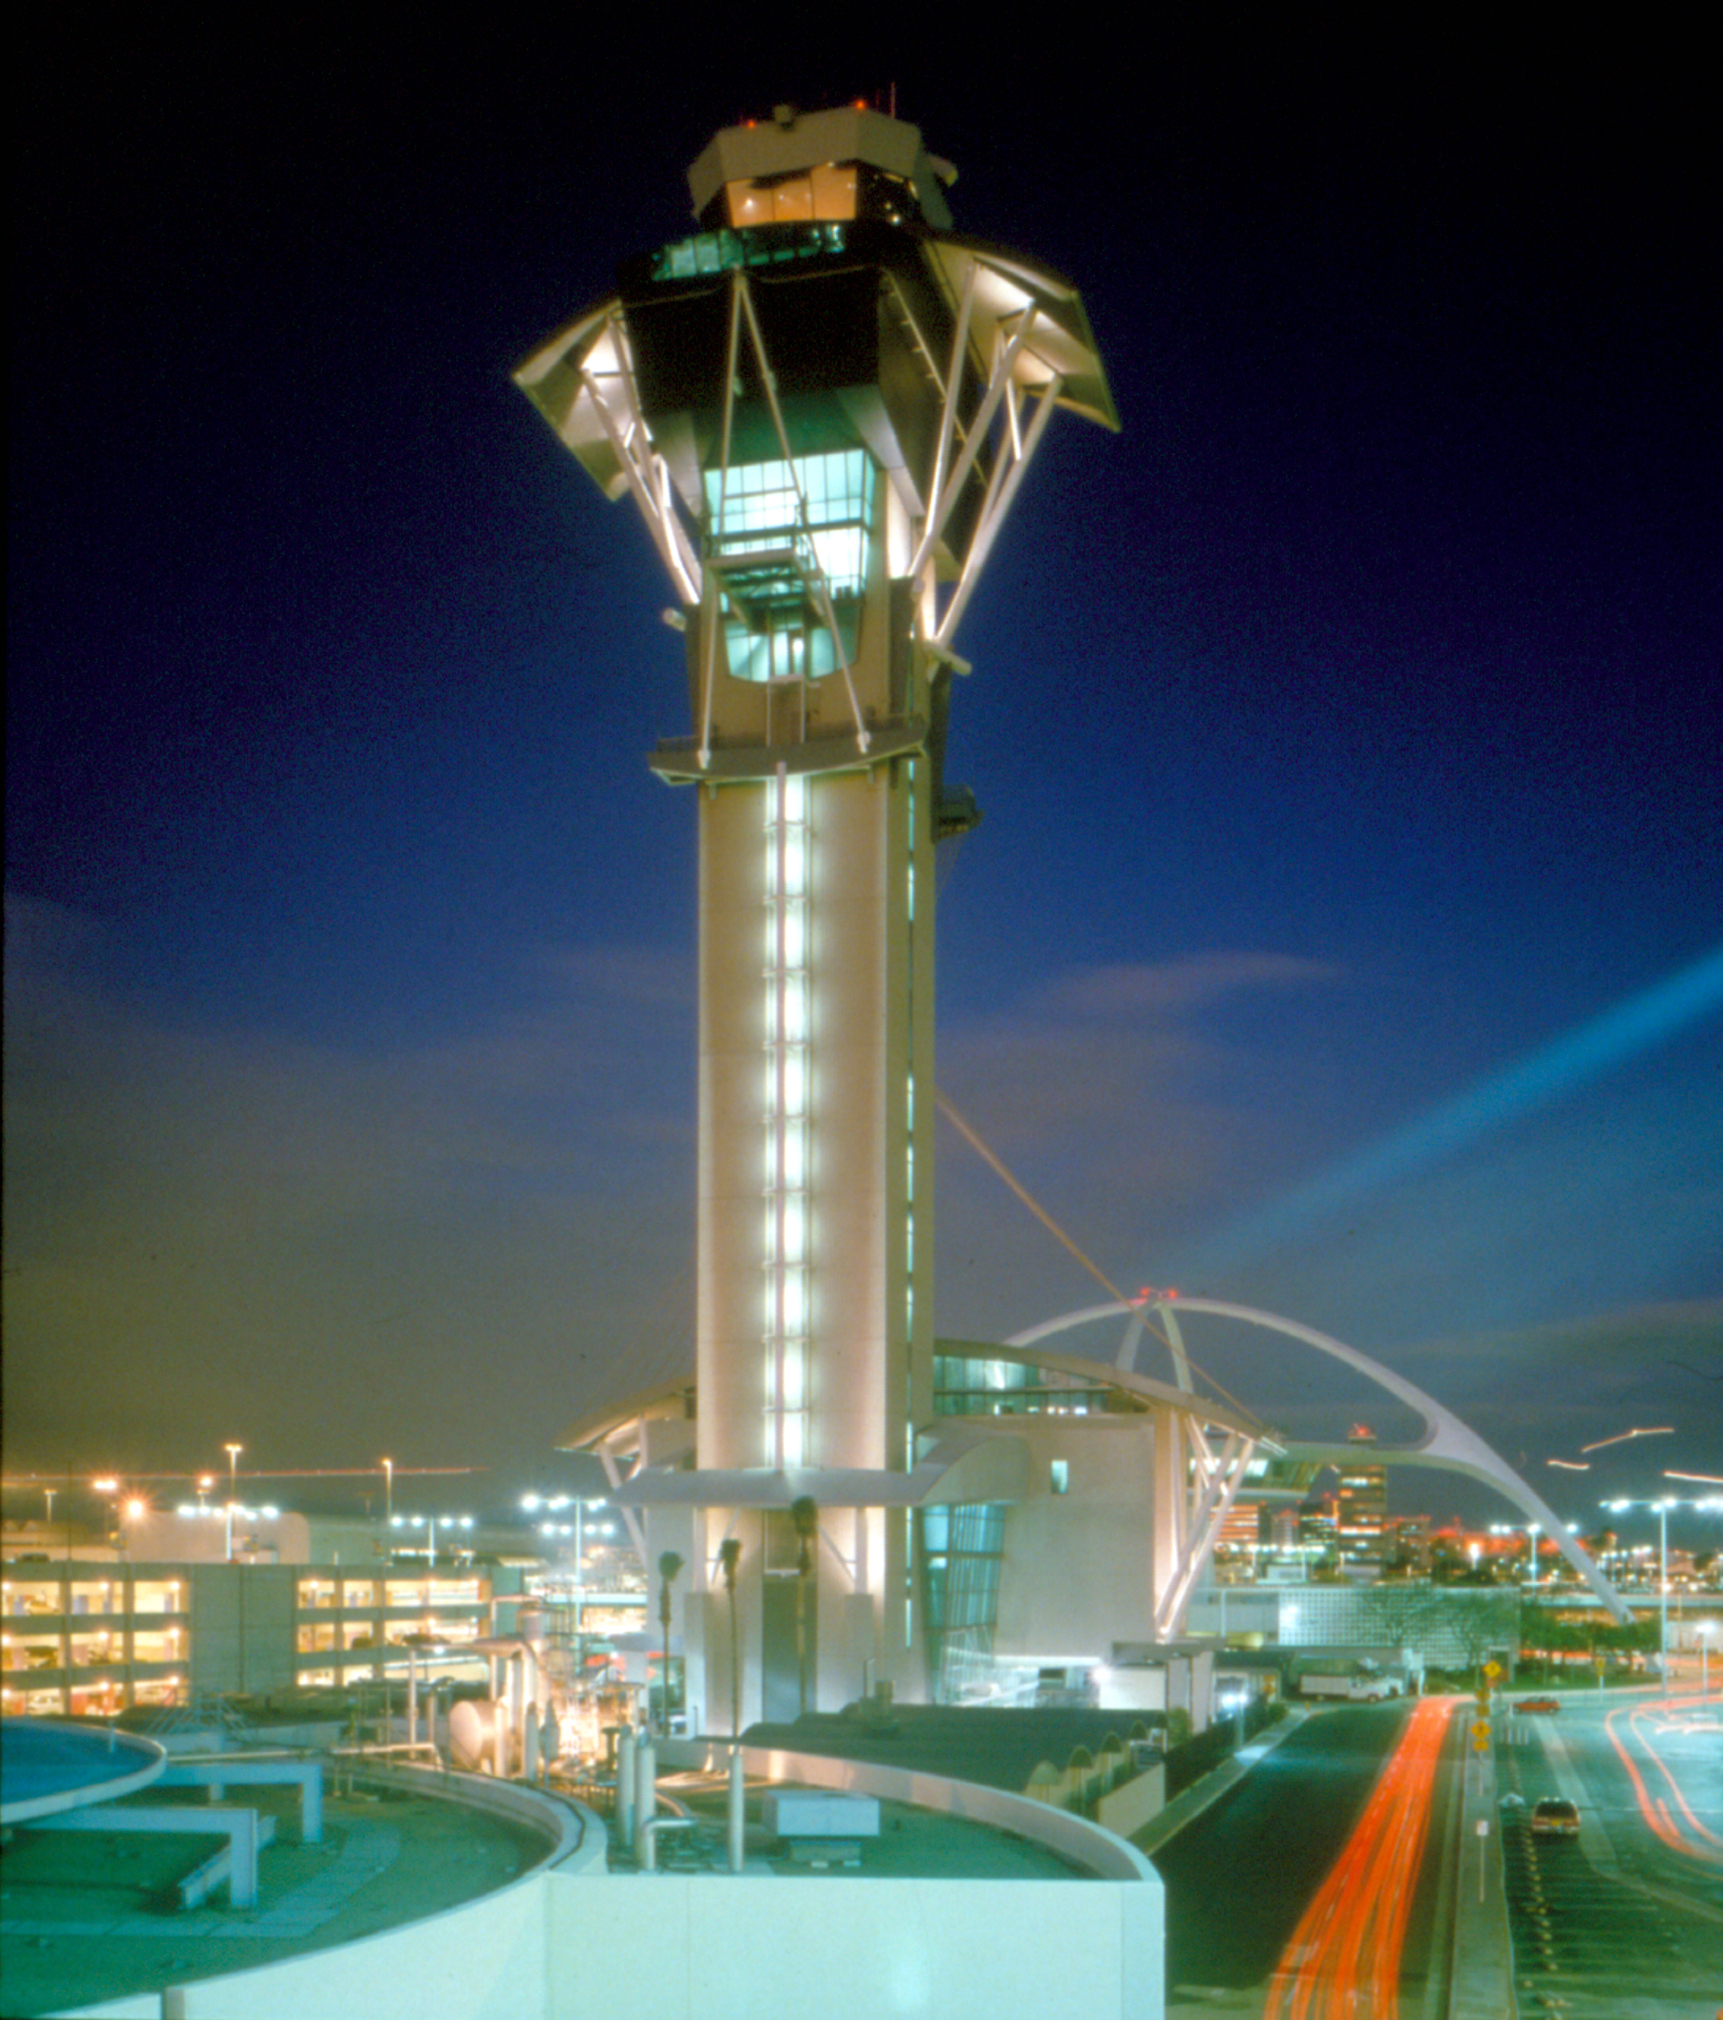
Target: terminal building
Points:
(161, 1615)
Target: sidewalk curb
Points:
(1206, 1793)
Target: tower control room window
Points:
(826, 192)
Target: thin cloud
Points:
(234, 1205)
(1124, 989)
(1109, 1092)
(1117, 1049)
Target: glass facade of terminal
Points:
(960, 1551)
(977, 1385)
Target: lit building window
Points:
(827, 191)
(786, 1231)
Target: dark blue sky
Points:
(1346, 731)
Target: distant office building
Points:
(1317, 1528)
(1361, 1502)
(1407, 1545)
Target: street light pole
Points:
(233, 1452)
(1662, 1507)
(388, 1466)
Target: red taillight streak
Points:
(1368, 1892)
(1649, 1807)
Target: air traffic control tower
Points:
(822, 403)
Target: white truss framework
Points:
(1445, 1444)
(999, 419)
(1020, 346)
(606, 373)
(1213, 1480)
(802, 556)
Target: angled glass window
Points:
(773, 561)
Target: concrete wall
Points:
(1076, 1576)
(570, 1941)
(483, 1961)
(717, 1948)
(242, 1627)
(712, 1947)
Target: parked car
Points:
(1538, 1704)
(1555, 1817)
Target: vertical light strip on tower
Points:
(787, 1087)
(909, 1123)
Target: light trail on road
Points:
(1343, 1960)
(1643, 1723)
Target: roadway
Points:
(1320, 1885)
(1625, 1922)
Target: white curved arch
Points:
(1446, 1443)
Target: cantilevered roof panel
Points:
(971, 1463)
(1007, 286)
(561, 378)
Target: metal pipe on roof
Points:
(735, 1812)
(624, 1811)
(645, 1794)
(649, 1838)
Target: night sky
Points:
(1344, 934)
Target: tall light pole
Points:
(388, 1466)
(429, 1524)
(109, 1487)
(1531, 1531)
(233, 1452)
(1662, 1507)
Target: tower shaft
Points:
(815, 1152)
